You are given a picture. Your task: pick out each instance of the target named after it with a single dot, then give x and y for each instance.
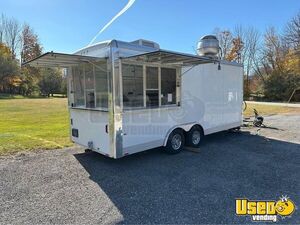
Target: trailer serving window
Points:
(162, 75)
(87, 75)
(90, 85)
(149, 86)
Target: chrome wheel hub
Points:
(196, 136)
(176, 141)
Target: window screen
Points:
(78, 78)
(132, 85)
(101, 85)
(152, 90)
(89, 77)
(152, 78)
(168, 86)
(89, 86)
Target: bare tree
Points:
(274, 51)
(240, 33)
(292, 30)
(225, 40)
(12, 35)
(2, 28)
(252, 40)
(248, 40)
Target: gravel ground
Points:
(72, 187)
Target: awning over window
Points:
(53, 59)
(171, 58)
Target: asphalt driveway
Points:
(73, 187)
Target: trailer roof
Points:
(54, 59)
(170, 57)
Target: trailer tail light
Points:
(75, 133)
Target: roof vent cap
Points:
(146, 43)
(208, 46)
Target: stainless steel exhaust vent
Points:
(208, 46)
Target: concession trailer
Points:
(127, 97)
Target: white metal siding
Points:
(91, 127)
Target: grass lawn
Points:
(268, 109)
(8, 96)
(32, 124)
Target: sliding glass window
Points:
(168, 86)
(90, 86)
(149, 86)
(101, 81)
(152, 89)
(132, 86)
(78, 79)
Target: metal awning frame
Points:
(170, 58)
(53, 59)
(62, 60)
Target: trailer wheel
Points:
(194, 137)
(175, 142)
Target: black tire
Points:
(235, 129)
(195, 137)
(258, 121)
(175, 142)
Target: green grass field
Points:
(33, 124)
(268, 109)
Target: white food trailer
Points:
(127, 97)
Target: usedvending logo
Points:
(267, 211)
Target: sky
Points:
(68, 25)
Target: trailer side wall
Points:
(209, 97)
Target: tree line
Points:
(18, 44)
(271, 60)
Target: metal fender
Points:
(186, 127)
